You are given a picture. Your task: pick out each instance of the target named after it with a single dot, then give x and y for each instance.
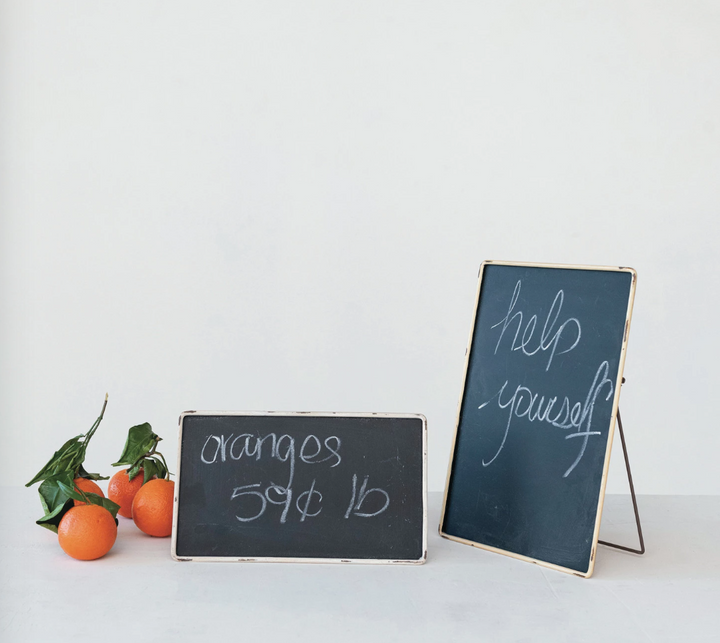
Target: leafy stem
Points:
(95, 426)
(167, 469)
(71, 455)
(57, 496)
(141, 452)
(149, 454)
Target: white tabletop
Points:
(138, 593)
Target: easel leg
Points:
(632, 495)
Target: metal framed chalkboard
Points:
(301, 487)
(537, 412)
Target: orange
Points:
(122, 490)
(152, 508)
(88, 486)
(87, 532)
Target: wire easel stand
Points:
(632, 495)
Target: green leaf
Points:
(71, 491)
(135, 470)
(81, 473)
(149, 470)
(52, 519)
(65, 459)
(53, 515)
(140, 441)
(150, 466)
(90, 498)
(153, 467)
(52, 495)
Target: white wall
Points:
(223, 205)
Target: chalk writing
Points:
(308, 495)
(239, 491)
(522, 402)
(548, 340)
(308, 500)
(218, 448)
(578, 417)
(253, 499)
(354, 507)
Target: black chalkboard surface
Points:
(537, 411)
(301, 487)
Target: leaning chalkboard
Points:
(536, 416)
(301, 487)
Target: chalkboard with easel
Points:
(536, 416)
(301, 487)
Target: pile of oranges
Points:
(88, 531)
(76, 507)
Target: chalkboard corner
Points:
(183, 415)
(181, 559)
(422, 418)
(403, 561)
(173, 550)
(632, 271)
(591, 564)
(444, 534)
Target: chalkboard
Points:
(301, 487)
(537, 411)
